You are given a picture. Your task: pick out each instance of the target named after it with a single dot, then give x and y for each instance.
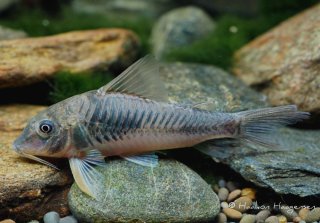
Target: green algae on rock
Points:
(133, 193)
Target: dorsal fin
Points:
(140, 79)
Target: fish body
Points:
(131, 117)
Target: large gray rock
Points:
(296, 171)
(193, 83)
(293, 169)
(179, 27)
(133, 193)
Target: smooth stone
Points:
(284, 61)
(249, 192)
(272, 219)
(234, 195)
(222, 183)
(288, 212)
(242, 204)
(224, 204)
(223, 194)
(231, 213)
(31, 60)
(297, 219)
(68, 219)
(7, 221)
(303, 212)
(288, 171)
(231, 186)
(51, 217)
(248, 218)
(169, 192)
(313, 215)
(179, 27)
(221, 218)
(282, 219)
(28, 190)
(262, 216)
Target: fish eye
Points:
(46, 126)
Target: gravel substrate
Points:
(242, 205)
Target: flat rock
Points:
(179, 27)
(24, 184)
(284, 62)
(170, 192)
(296, 171)
(30, 60)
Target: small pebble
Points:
(303, 213)
(288, 212)
(68, 219)
(34, 221)
(262, 216)
(215, 188)
(221, 218)
(248, 218)
(242, 204)
(51, 217)
(231, 213)
(313, 215)
(249, 192)
(282, 219)
(302, 221)
(234, 195)
(297, 219)
(222, 183)
(272, 219)
(7, 221)
(223, 194)
(231, 186)
(224, 204)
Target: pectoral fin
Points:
(149, 160)
(85, 175)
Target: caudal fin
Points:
(258, 125)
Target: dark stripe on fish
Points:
(58, 142)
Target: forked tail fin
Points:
(257, 125)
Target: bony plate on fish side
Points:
(170, 192)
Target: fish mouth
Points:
(37, 159)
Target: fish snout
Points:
(17, 145)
